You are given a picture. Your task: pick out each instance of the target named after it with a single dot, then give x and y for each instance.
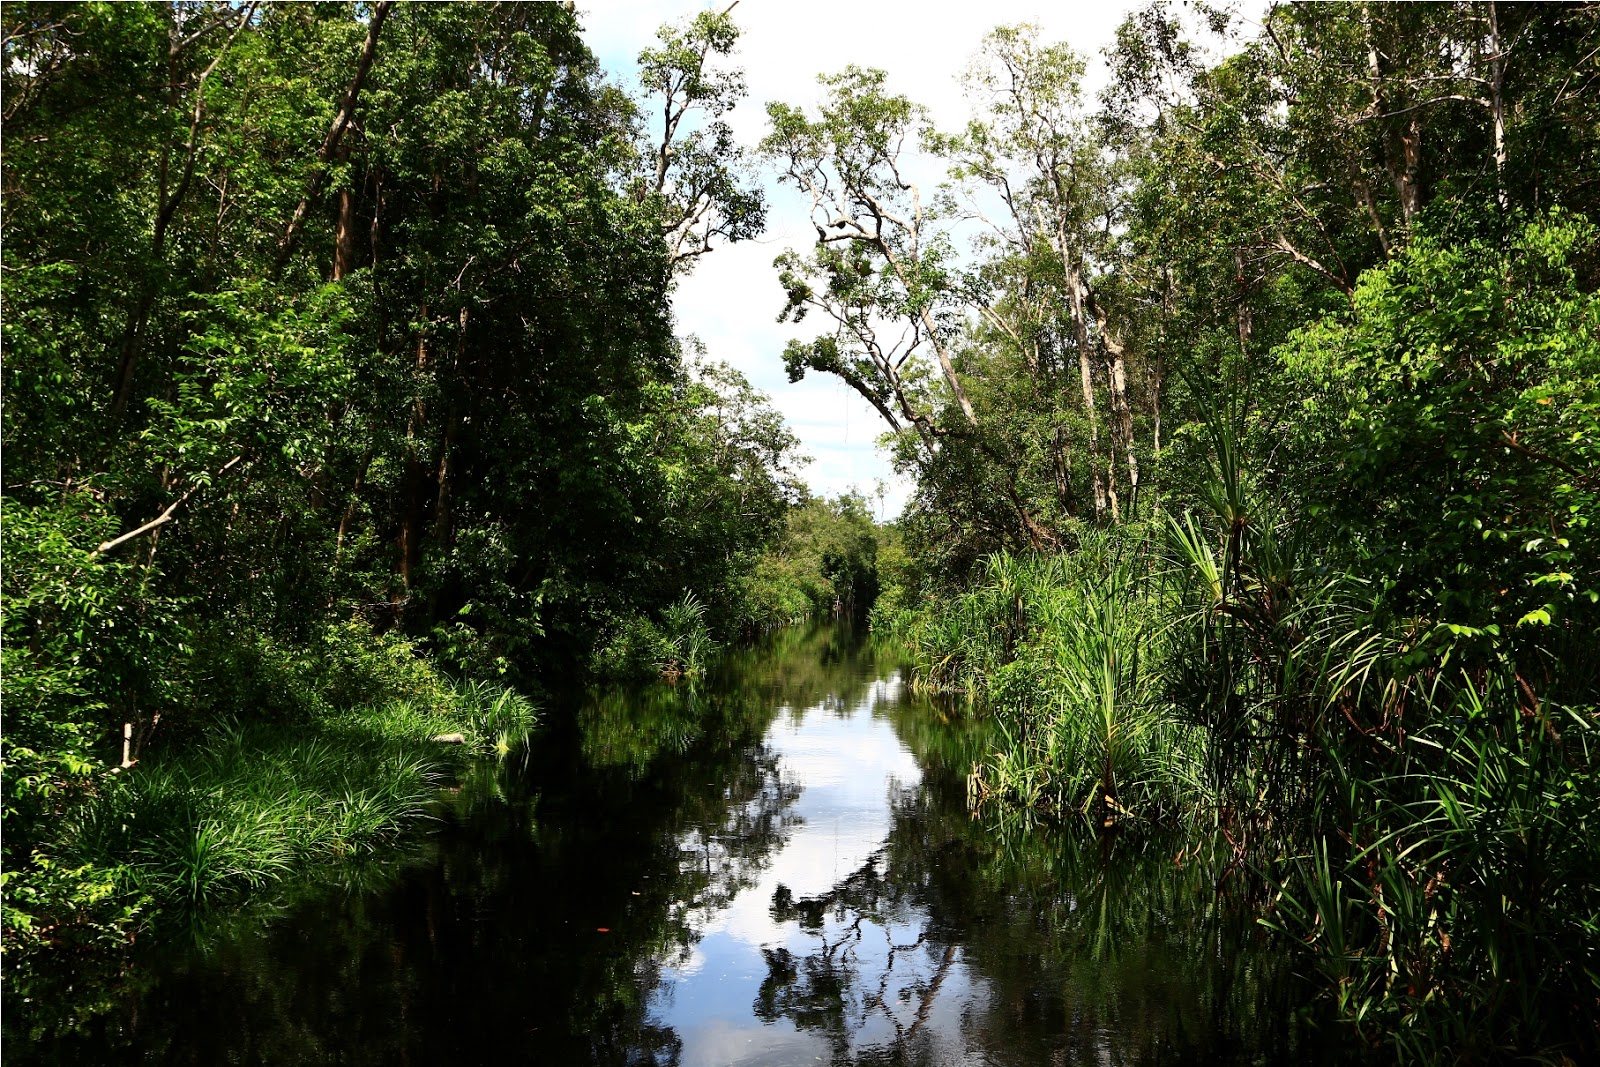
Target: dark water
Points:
(778, 869)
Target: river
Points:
(776, 867)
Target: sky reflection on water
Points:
(849, 764)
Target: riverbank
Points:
(226, 809)
(1423, 839)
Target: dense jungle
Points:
(372, 534)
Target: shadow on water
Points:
(775, 867)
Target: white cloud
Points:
(849, 761)
(722, 1042)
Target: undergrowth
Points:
(1413, 802)
(243, 804)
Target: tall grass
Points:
(1447, 891)
(249, 804)
(1066, 652)
(1427, 821)
(689, 641)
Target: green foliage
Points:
(302, 756)
(251, 675)
(301, 412)
(81, 636)
(1447, 716)
(249, 806)
(636, 651)
(1422, 814)
(825, 564)
(1329, 287)
(1450, 426)
(1364, 667)
(1461, 923)
(295, 420)
(51, 905)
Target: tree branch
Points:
(1480, 101)
(163, 518)
(1283, 247)
(341, 122)
(1511, 442)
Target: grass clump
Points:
(251, 803)
(678, 644)
(1066, 653)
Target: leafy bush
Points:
(80, 634)
(678, 645)
(635, 651)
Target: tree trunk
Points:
(1158, 377)
(1113, 501)
(1061, 462)
(1245, 321)
(330, 142)
(1402, 171)
(408, 542)
(1364, 197)
(1121, 409)
(1117, 373)
(344, 243)
(441, 514)
(1407, 178)
(1497, 105)
(945, 362)
(1080, 329)
(166, 210)
(350, 507)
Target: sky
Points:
(732, 298)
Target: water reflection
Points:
(775, 868)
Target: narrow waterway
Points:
(776, 868)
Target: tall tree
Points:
(883, 271)
(1034, 149)
(697, 171)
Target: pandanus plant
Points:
(1249, 675)
(684, 625)
(1079, 706)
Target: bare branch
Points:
(1283, 247)
(1480, 101)
(165, 516)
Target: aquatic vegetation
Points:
(688, 638)
(676, 644)
(1067, 653)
